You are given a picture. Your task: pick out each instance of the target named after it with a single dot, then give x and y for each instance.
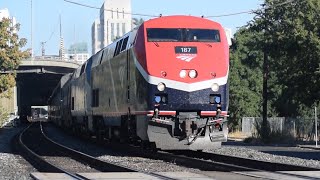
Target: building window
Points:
(117, 13)
(118, 30)
(123, 28)
(112, 31)
(98, 32)
(111, 13)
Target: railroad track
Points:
(244, 162)
(215, 162)
(49, 156)
(248, 167)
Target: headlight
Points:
(215, 87)
(161, 86)
(164, 99)
(215, 99)
(193, 74)
(183, 73)
(157, 99)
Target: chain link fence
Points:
(300, 129)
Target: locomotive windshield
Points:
(164, 34)
(182, 35)
(202, 35)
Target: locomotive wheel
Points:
(149, 146)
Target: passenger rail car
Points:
(164, 83)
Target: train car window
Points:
(101, 57)
(202, 35)
(95, 98)
(82, 69)
(124, 44)
(72, 103)
(88, 69)
(118, 48)
(115, 51)
(164, 35)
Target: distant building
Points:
(78, 53)
(96, 34)
(9, 104)
(115, 21)
(4, 13)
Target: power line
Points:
(93, 7)
(250, 11)
(211, 16)
(52, 33)
(44, 42)
(231, 14)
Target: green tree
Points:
(293, 40)
(137, 22)
(289, 33)
(245, 76)
(10, 53)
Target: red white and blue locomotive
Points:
(164, 83)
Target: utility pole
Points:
(61, 48)
(265, 127)
(43, 51)
(316, 125)
(31, 31)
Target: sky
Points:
(77, 20)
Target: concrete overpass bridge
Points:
(35, 81)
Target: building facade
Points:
(4, 13)
(96, 36)
(78, 53)
(115, 21)
(8, 105)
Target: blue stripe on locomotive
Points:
(189, 101)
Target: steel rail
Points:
(41, 162)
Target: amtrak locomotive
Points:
(165, 84)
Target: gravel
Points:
(127, 160)
(151, 165)
(12, 166)
(245, 152)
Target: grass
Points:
(237, 135)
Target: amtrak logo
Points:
(186, 57)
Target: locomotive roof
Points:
(182, 21)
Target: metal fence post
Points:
(316, 124)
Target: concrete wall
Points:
(10, 104)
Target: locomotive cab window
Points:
(182, 35)
(164, 34)
(202, 35)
